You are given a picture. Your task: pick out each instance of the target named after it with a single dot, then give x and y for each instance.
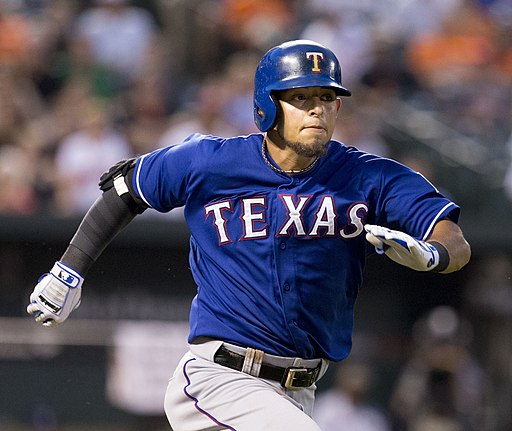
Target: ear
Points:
(338, 106)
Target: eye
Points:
(328, 97)
(298, 97)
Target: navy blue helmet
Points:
(294, 64)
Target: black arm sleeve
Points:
(108, 216)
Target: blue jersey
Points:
(278, 260)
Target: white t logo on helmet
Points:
(316, 56)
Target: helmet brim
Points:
(301, 82)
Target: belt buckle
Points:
(289, 378)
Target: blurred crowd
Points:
(86, 83)
(442, 386)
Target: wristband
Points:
(444, 256)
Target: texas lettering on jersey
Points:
(254, 218)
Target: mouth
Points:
(315, 128)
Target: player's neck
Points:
(287, 160)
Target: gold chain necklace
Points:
(283, 171)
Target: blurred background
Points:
(86, 83)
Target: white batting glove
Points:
(56, 295)
(402, 248)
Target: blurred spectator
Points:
(239, 78)
(348, 32)
(463, 43)
(462, 79)
(442, 387)
(146, 117)
(419, 18)
(37, 141)
(78, 64)
(480, 107)
(14, 35)
(68, 107)
(204, 115)
(10, 112)
(17, 194)
(388, 76)
(83, 156)
(196, 42)
(360, 125)
(119, 35)
(376, 12)
(347, 405)
(51, 23)
(144, 108)
(489, 296)
(19, 102)
(253, 24)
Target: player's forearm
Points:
(105, 219)
(451, 237)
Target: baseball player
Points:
(281, 223)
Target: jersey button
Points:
(286, 287)
(282, 245)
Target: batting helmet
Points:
(295, 64)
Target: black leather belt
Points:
(290, 377)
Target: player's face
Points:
(307, 119)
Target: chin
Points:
(316, 149)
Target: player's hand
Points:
(56, 295)
(402, 248)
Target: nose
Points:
(316, 105)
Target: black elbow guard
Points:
(120, 177)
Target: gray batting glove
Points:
(56, 295)
(402, 248)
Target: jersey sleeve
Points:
(160, 178)
(408, 202)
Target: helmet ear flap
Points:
(277, 109)
(265, 113)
